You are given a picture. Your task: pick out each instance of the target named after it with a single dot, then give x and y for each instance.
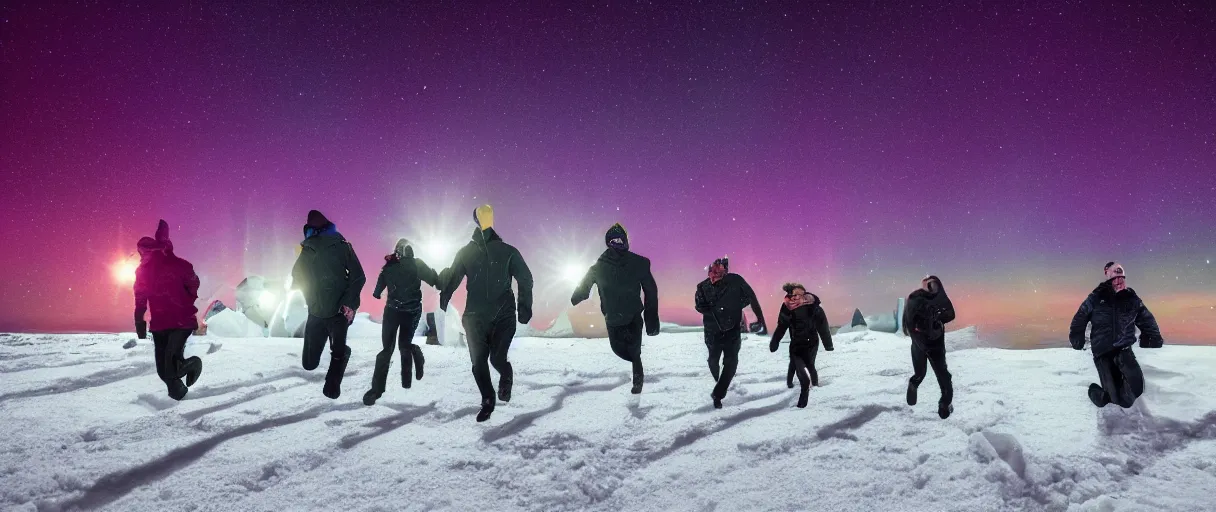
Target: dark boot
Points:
(637, 384)
(944, 410)
(194, 368)
(789, 383)
(504, 390)
(177, 390)
(370, 397)
(804, 395)
(717, 401)
(487, 408)
(1098, 396)
(333, 377)
(418, 361)
(911, 393)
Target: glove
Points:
(376, 296)
(652, 329)
(828, 347)
(772, 346)
(1151, 342)
(349, 314)
(141, 329)
(525, 315)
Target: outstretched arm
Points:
(650, 302)
(380, 285)
(582, 292)
(750, 296)
(141, 304)
(1150, 333)
(426, 273)
(779, 332)
(1076, 330)
(523, 278)
(450, 281)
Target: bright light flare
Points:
(437, 252)
(266, 300)
(124, 271)
(572, 272)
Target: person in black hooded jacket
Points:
(403, 276)
(926, 314)
(620, 275)
(1115, 311)
(330, 277)
(490, 307)
(803, 317)
(720, 299)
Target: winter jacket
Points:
(1115, 317)
(166, 284)
(807, 324)
(926, 315)
(622, 278)
(490, 264)
(721, 304)
(403, 275)
(328, 274)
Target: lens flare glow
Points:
(266, 300)
(124, 271)
(573, 271)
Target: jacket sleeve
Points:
(1150, 334)
(141, 296)
(650, 301)
(1076, 330)
(825, 332)
(582, 292)
(703, 303)
(750, 296)
(945, 312)
(298, 280)
(355, 279)
(450, 280)
(523, 278)
(906, 321)
(379, 285)
(426, 273)
(782, 326)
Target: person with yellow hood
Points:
(491, 309)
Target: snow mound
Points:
(228, 323)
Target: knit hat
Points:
(316, 219)
(484, 217)
(617, 237)
(1113, 270)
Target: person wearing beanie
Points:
(720, 299)
(927, 312)
(1115, 312)
(803, 317)
(491, 309)
(402, 275)
(328, 274)
(621, 277)
(168, 286)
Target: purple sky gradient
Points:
(1011, 148)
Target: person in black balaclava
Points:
(806, 322)
(720, 299)
(490, 306)
(927, 312)
(403, 276)
(329, 275)
(1115, 311)
(620, 276)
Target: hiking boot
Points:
(944, 410)
(912, 393)
(487, 408)
(194, 368)
(637, 384)
(789, 383)
(177, 392)
(333, 376)
(717, 401)
(418, 361)
(371, 396)
(804, 396)
(504, 390)
(1098, 396)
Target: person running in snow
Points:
(720, 299)
(620, 275)
(490, 307)
(927, 312)
(329, 275)
(803, 317)
(168, 286)
(403, 276)
(1115, 312)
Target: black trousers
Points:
(723, 346)
(1121, 377)
(318, 331)
(935, 355)
(626, 342)
(489, 341)
(170, 365)
(802, 363)
(397, 329)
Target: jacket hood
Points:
(1106, 290)
(615, 257)
(316, 219)
(617, 237)
(326, 239)
(403, 249)
(314, 232)
(485, 236)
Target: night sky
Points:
(1011, 148)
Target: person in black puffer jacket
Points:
(403, 276)
(490, 306)
(720, 299)
(802, 315)
(1115, 311)
(927, 312)
(620, 275)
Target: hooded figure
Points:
(330, 277)
(802, 315)
(927, 312)
(1115, 312)
(491, 309)
(629, 298)
(167, 286)
(403, 276)
(720, 299)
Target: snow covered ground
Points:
(87, 425)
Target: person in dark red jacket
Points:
(168, 286)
